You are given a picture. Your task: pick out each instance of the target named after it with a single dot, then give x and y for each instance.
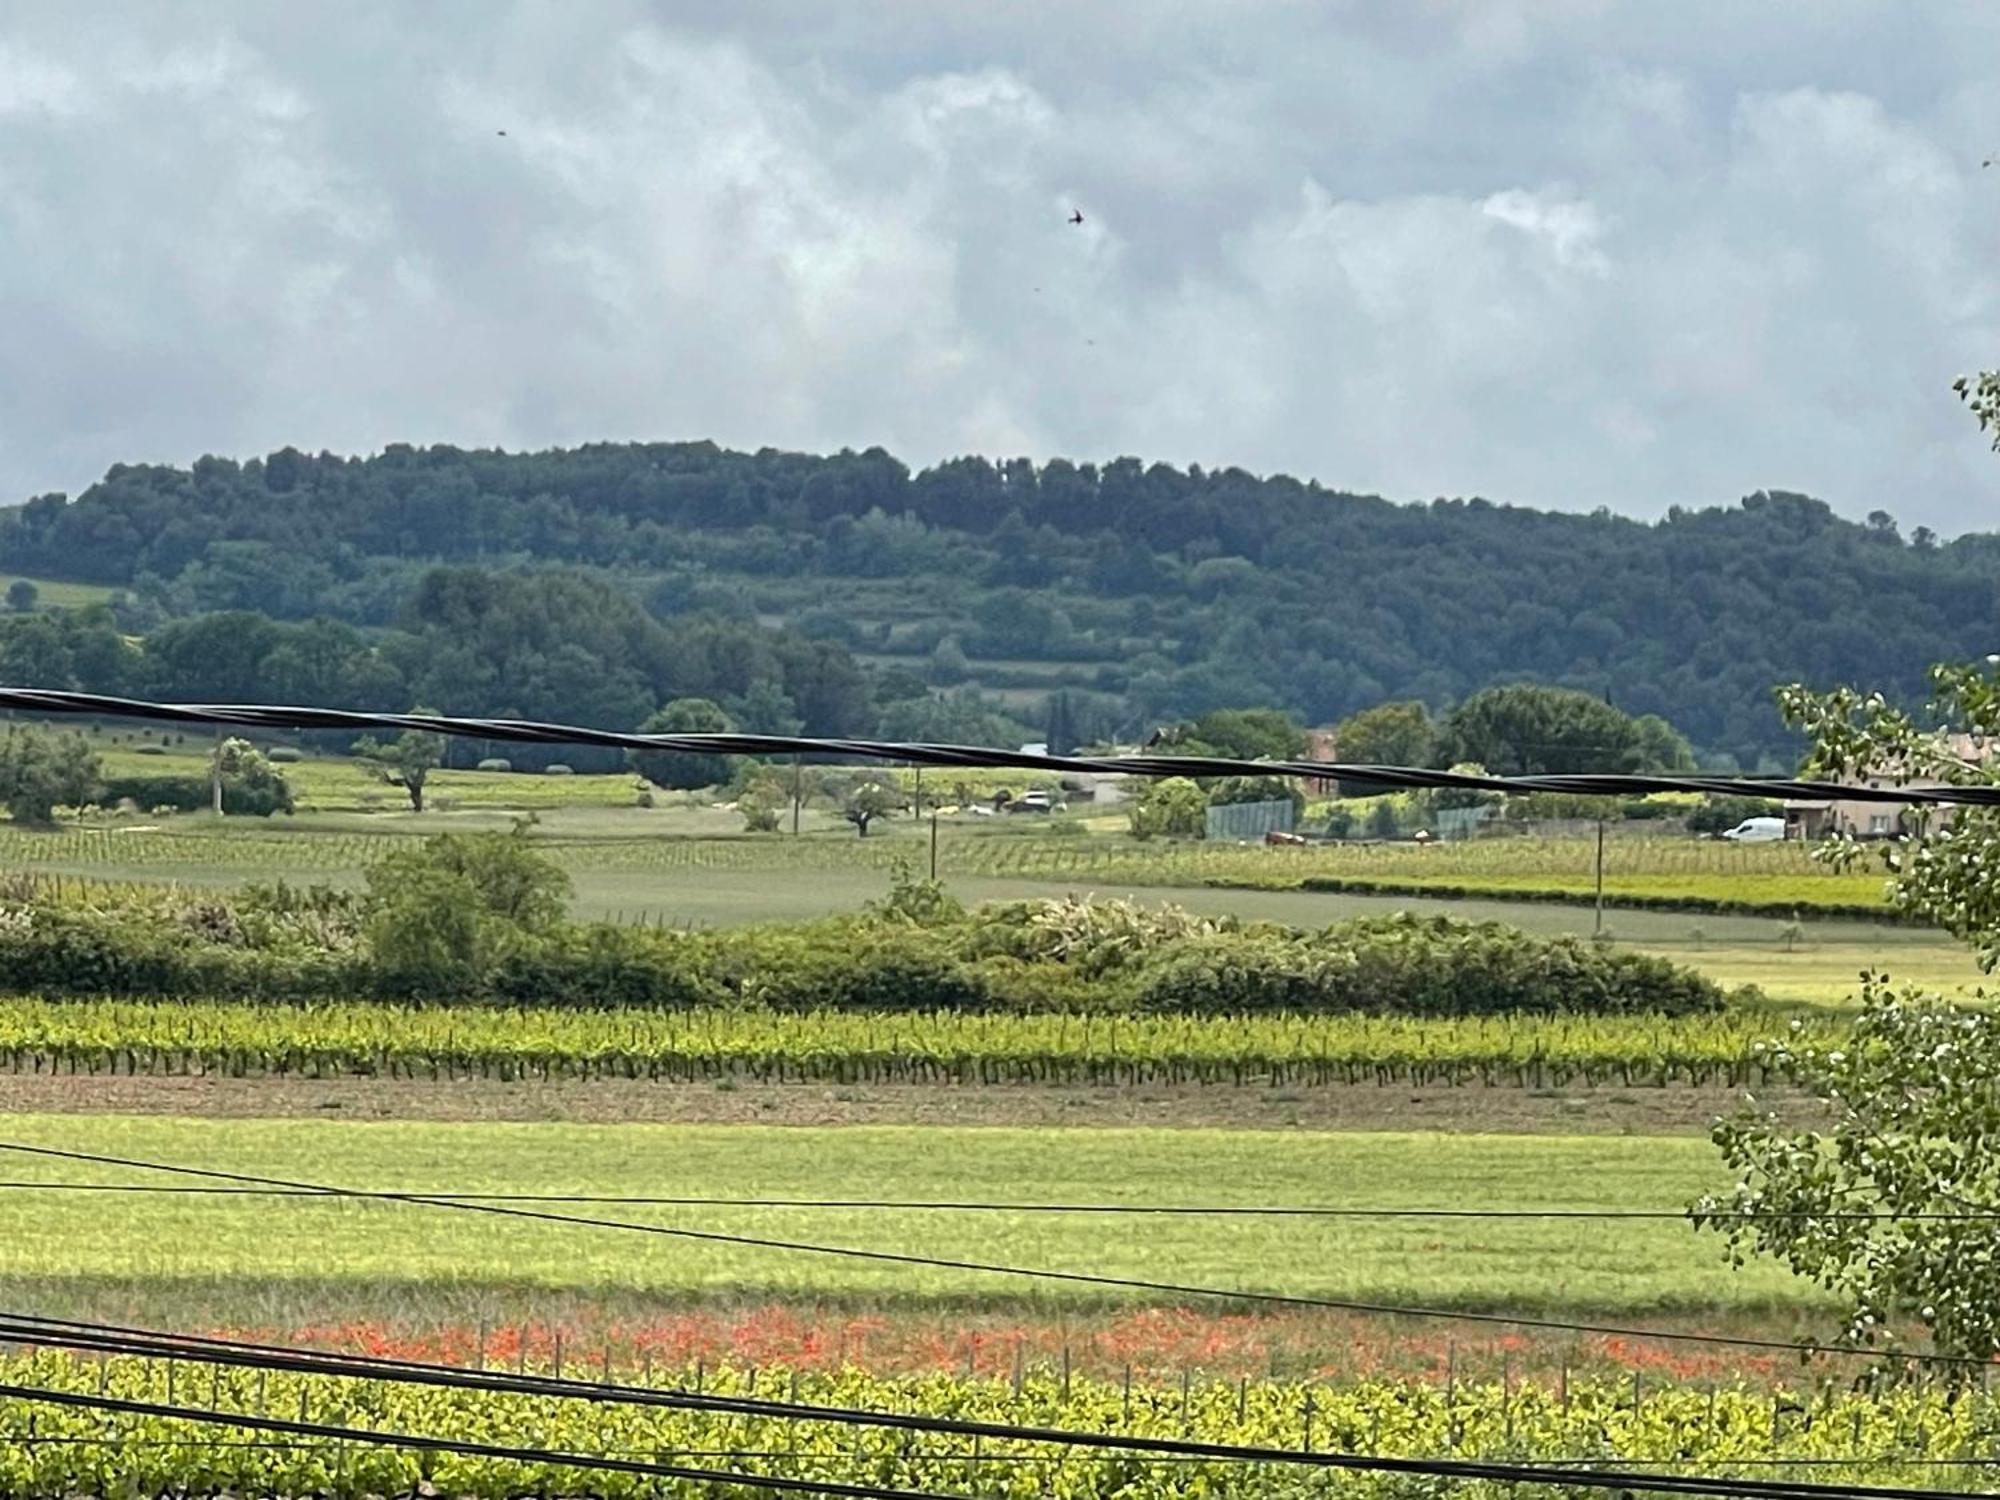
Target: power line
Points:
(964, 757)
(946, 1205)
(425, 1442)
(204, 1349)
(1078, 1278)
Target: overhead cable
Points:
(378, 1368)
(60, 704)
(990, 1268)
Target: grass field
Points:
(53, 593)
(53, 1246)
(686, 863)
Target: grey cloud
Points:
(1559, 254)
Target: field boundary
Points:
(1345, 885)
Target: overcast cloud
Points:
(1559, 254)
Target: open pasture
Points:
(52, 1254)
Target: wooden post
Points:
(933, 843)
(215, 776)
(798, 789)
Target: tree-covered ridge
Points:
(1168, 592)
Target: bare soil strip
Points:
(1582, 1111)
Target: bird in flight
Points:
(499, 132)
(1076, 216)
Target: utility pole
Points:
(215, 776)
(797, 789)
(934, 844)
(1598, 928)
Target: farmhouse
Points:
(1808, 819)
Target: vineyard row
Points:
(138, 1037)
(1846, 1437)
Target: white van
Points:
(1757, 831)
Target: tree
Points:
(1869, 1193)
(682, 770)
(1464, 796)
(1060, 731)
(949, 666)
(869, 801)
(442, 914)
(527, 891)
(408, 760)
(1389, 734)
(1170, 807)
(250, 783)
(1526, 729)
(40, 772)
(21, 596)
(1236, 734)
(765, 709)
(1662, 749)
(1382, 819)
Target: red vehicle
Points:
(1279, 836)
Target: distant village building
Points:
(1322, 745)
(1814, 819)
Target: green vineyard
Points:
(1905, 1437)
(1637, 871)
(372, 1039)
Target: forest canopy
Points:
(1152, 592)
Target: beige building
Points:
(1871, 820)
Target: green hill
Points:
(1149, 592)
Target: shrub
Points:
(557, 768)
(149, 749)
(850, 967)
(600, 965)
(1418, 966)
(284, 755)
(194, 794)
(495, 763)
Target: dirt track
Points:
(1637, 1111)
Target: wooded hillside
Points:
(1150, 592)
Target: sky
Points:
(1560, 254)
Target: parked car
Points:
(1757, 831)
(1032, 802)
(1279, 836)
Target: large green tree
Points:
(1237, 734)
(1870, 1163)
(406, 761)
(40, 772)
(683, 770)
(1389, 734)
(1526, 729)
